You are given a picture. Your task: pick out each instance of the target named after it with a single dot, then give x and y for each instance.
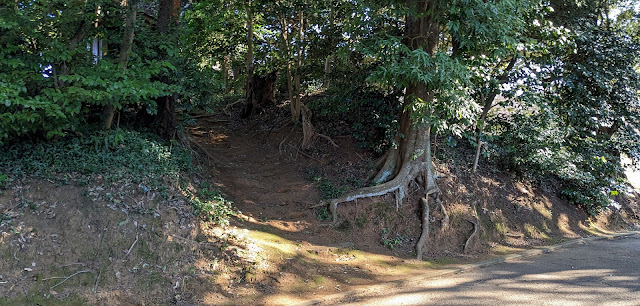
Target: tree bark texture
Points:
(412, 155)
(249, 85)
(296, 103)
(262, 93)
(285, 46)
(165, 120)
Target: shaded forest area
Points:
(418, 128)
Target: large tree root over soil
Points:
(410, 161)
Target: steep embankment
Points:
(117, 242)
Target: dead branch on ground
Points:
(68, 277)
(226, 108)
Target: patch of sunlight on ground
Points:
(285, 299)
(568, 275)
(563, 225)
(503, 249)
(593, 229)
(542, 209)
(279, 248)
(404, 299)
(273, 242)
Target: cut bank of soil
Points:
(259, 164)
(277, 250)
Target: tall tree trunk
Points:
(412, 155)
(225, 74)
(296, 103)
(249, 58)
(165, 11)
(125, 51)
(486, 107)
(329, 60)
(293, 76)
(166, 117)
(285, 46)
(249, 86)
(260, 89)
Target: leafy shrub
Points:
(115, 154)
(535, 145)
(213, 206)
(391, 241)
(57, 86)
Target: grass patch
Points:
(319, 279)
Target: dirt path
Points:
(263, 185)
(602, 272)
(300, 257)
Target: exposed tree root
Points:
(398, 185)
(203, 150)
(328, 139)
(410, 161)
(226, 108)
(283, 141)
(425, 227)
(467, 245)
(445, 220)
(308, 131)
(304, 154)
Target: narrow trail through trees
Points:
(266, 175)
(264, 185)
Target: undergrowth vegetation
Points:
(115, 154)
(212, 205)
(116, 157)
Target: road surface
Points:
(600, 272)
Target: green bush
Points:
(49, 86)
(115, 154)
(212, 205)
(534, 146)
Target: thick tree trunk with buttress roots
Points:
(411, 157)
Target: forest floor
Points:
(71, 244)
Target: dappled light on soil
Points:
(563, 225)
(575, 275)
